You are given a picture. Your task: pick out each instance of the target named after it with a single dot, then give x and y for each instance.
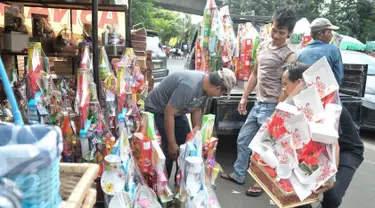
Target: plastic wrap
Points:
(248, 41)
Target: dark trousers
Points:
(182, 129)
(347, 166)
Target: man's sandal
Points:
(254, 191)
(230, 178)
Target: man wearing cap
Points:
(351, 147)
(321, 32)
(181, 93)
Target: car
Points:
(368, 100)
(159, 58)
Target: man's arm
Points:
(339, 66)
(252, 81)
(169, 126)
(292, 57)
(196, 118)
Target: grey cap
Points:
(320, 24)
(228, 78)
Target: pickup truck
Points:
(229, 121)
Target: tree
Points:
(355, 18)
(304, 8)
(166, 23)
(141, 12)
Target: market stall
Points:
(93, 107)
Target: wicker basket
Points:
(76, 182)
(90, 199)
(274, 191)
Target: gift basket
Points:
(198, 168)
(294, 152)
(248, 40)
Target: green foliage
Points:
(355, 18)
(166, 23)
(141, 12)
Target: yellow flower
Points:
(109, 187)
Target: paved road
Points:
(359, 195)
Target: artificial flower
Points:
(276, 128)
(109, 187)
(310, 153)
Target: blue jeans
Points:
(257, 116)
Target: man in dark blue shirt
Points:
(321, 32)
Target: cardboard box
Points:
(15, 41)
(63, 67)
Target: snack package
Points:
(208, 122)
(142, 150)
(248, 41)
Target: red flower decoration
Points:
(270, 171)
(276, 128)
(256, 156)
(310, 153)
(328, 99)
(33, 79)
(286, 185)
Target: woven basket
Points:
(90, 199)
(140, 32)
(76, 182)
(139, 45)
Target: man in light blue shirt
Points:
(321, 32)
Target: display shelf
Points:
(59, 55)
(61, 4)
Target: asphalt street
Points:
(359, 195)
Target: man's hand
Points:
(173, 151)
(242, 106)
(325, 187)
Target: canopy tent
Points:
(370, 46)
(302, 27)
(350, 43)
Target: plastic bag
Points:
(248, 43)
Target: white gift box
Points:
(299, 128)
(158, 157)
(332, 115)
(309, 102)
(287, 108)
(307, 179)
(285, 152)
(322, 133)
(302, 190)
(328, 169)
(320, 75)
(256, 144)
